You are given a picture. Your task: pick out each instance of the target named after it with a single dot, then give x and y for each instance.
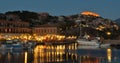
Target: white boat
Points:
(86, 40)
(84, 43)
(88, 47)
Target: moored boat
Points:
(91, 43)
(13, 44)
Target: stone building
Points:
(45, 29)
(14, 27)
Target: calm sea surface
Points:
(60, 54)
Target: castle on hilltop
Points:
(90, 13)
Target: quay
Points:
(54, 43)
(114, 43)
(57, 42)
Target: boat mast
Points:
(80, 28)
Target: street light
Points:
(108, 33)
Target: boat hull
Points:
(91, 44)
(88, 43)
(88, 47)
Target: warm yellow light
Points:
(97, 28)
(8, 39)
(25, 57)
(109, 55)
(108, 33)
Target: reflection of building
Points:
(55, 53)
(14, 27)
(45, 29)
(87, 59)
(95, 55)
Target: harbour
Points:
(61, 54)
(48, 32)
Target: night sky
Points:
(106, 8)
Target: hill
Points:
(91, 23)
(117, 21)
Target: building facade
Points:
(45, 29)
(19, 28)
(14, 27)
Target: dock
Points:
(114, 43)
(57, 42)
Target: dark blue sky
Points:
(106, 8)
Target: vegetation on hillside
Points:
(68, 25)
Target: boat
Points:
(86, 42)
(13, 44)
(94, 43)
(29, 45)
(2, 47)
(91, 43)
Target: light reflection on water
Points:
(60, 54)
(99, 55)
(109, 55)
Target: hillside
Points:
(92, 23)
(117, 21)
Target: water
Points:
(60, 54)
